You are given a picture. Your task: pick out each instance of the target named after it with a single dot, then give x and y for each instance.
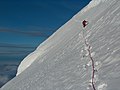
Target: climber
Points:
(85, 23)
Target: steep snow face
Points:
(41, 49)
(62, 63)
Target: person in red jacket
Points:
(85, 23)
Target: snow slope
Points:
(61, 63)
(42, 48)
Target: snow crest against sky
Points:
(24, 24)
(77, 58)
(27, 23)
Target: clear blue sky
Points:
(24, 24)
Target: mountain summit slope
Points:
(61, 62)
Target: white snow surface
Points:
(40, 50)
(58, 63)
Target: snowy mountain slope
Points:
(44, 47)
(58, 63)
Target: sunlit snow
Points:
(62, 61)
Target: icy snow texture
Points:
(58, 63)
(33, 56)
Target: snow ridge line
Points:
(92, 60)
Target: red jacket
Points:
(84, 23)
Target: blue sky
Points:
(24, 24)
